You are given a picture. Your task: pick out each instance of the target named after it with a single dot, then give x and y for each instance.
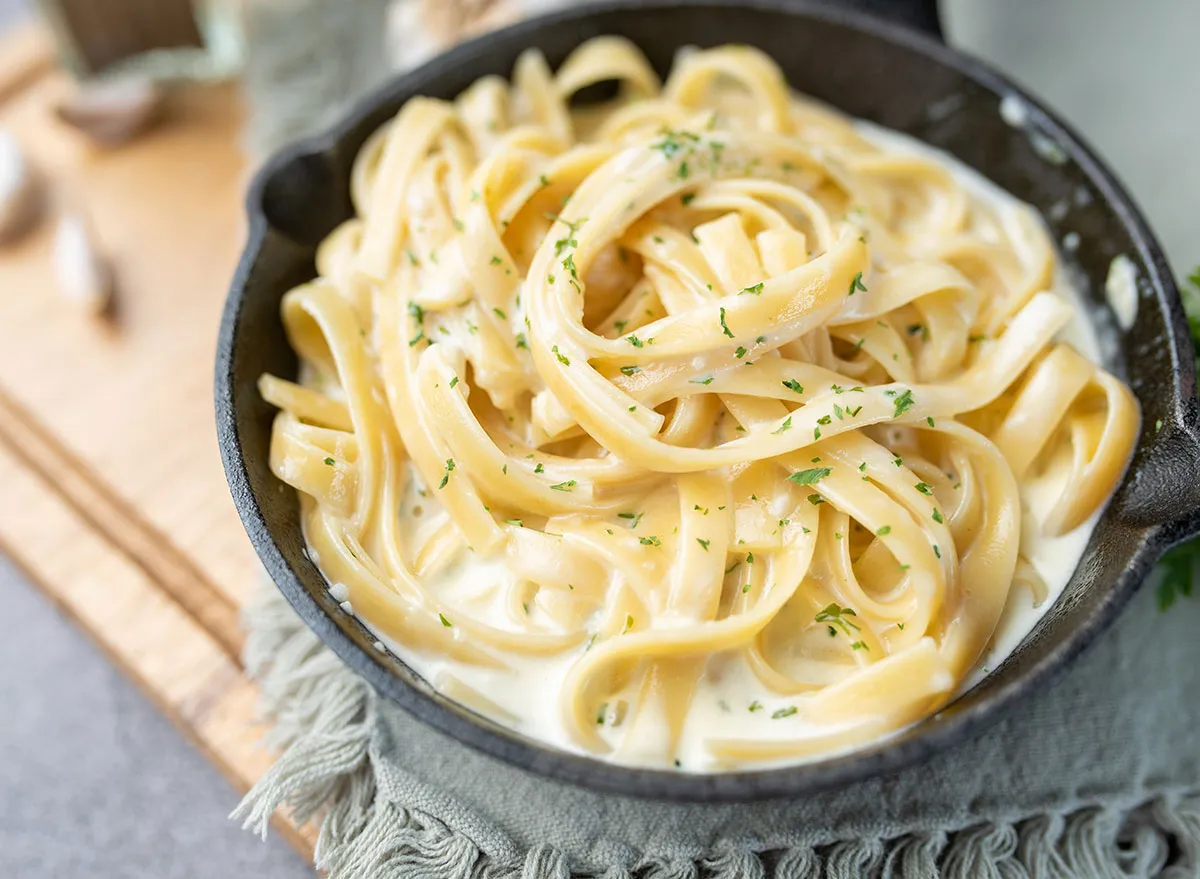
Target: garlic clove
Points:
(19, 200)
(113, 111)
(83, 275)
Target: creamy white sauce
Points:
(1122, 291)
(529, 690)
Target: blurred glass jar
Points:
(162, 40)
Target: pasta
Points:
(701, 426)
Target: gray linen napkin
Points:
(1098, 776)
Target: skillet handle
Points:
(921, 15)
(1165, 489)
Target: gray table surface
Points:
(94, 783)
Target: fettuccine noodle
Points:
(697, 426)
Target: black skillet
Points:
(886, 63)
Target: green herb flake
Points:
(446, 475)
(755, 706)
(838, 616)
(753, 290)
(811, 476)
(701, 381)
(445, 622)
(815, 499)
(633, 340)
(784, 712)
(564, 486)
(630, 370)
(652, 540)
(857, 284)
(704, 543)
(884, 531)
(937, 516)
(740, 352)
(924, 488)
(520, 523)
(687, 198)
(562, 358)
(901, 402)
(792, 385)
(329, 462)
(454, 381)
(724, 326)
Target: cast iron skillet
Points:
(871, 66)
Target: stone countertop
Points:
(94, 783)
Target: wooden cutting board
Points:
(112, 497)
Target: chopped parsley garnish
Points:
(564, 486)
(329, 462)
(755, 706)
(860, 645)
(454, 381)
(630, 370)
(601, 712)
(445, 622)
(562, 358)
(417, 338)
(633, 340)
(417, 312)
(499, 313)
(753, 290)
(675, 141)
(901, 402)
(786, 425)
(792, 385)
(937, 516)
(929, 420)
(701, 381)
(834, 615)
(544, 180)
(446, 475)
(884, 531)
(520, 523)
(412, 257)
(815, 499)
(686, 198)
(924, 488)
(857, 284)
(652, 540)
(538, 468)
(936, 551)
(521, 343)
(724, 326)
(704, 543)
(740, 352)
(784, 712)
(749, 558)
(811, 476)
(628, 622)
